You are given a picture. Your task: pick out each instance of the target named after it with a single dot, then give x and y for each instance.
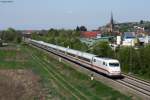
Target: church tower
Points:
(111, 23)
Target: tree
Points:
(18, 37)
(141, 22)
(11, 35)
(1, 43)
(102, 49)
(43, 32)
(76, 34)
(34, 35)
(52, 33)
(77, 28)
(83, 28)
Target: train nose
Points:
(115, 71)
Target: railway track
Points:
(141, 87)
(136, 79)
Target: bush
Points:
(102, 49)
(11, 35)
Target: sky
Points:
(46, 14)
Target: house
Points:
(90, 34)
(128, 39)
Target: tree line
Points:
(10, 35)
(136, 61)
(66, 38)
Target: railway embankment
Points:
(130, 88)
(58, 80)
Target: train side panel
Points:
(100, 65)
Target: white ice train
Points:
(108, 66)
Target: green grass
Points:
(58, 78)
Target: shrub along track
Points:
(57, 77)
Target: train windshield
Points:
(114, 64)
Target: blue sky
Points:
(45, 14)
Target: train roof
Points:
(104, 58)
(69, 50)
(107, 59)
(76, 52)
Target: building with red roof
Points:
(90, 34)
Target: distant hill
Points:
(129, 26)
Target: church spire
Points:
(111, 22)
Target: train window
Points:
(84, 58)
(114, 64)
(94, 60)
(103, 63)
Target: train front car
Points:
(114, 68)
(108, 66)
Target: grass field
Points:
(58, 79)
